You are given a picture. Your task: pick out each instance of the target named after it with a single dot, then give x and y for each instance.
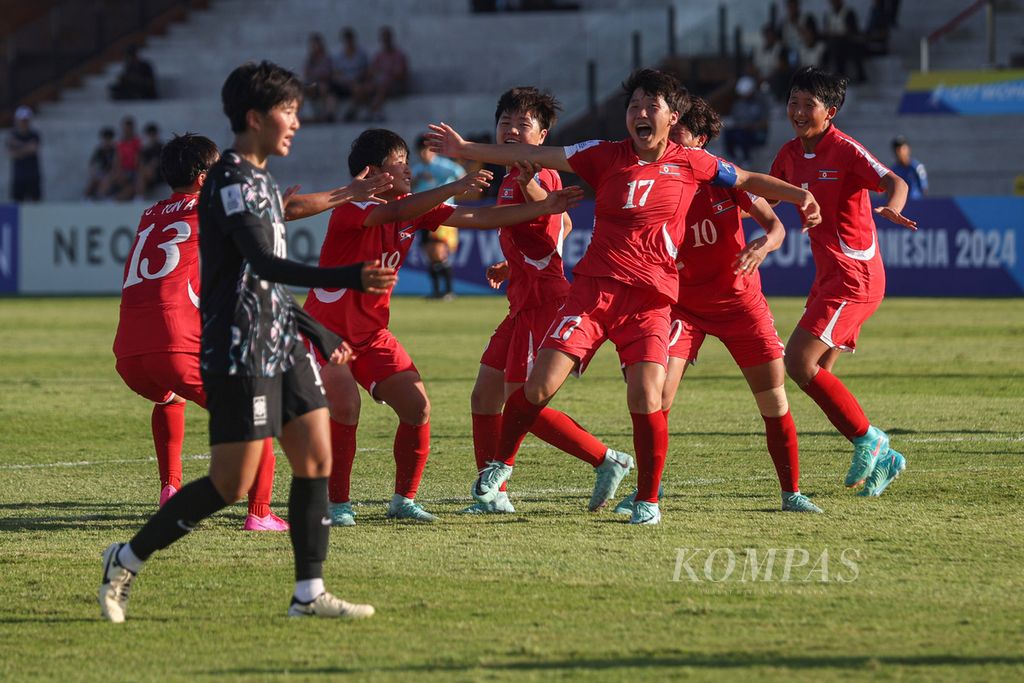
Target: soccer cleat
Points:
(867, 450)
(625, 506)
(488, 483)
(798, 502)
(407, 508)
(500, 505)
(166, 493)
(610, 474)
(886, 471)
(645, 513)
(117, 582)
(269, 523)
(326, 605)
(341, 514)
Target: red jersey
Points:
(639, 209)
(839, 174)
(533, 249)
(159, 296)
(712, 239)
(354, 315)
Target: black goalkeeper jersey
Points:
(249, 324)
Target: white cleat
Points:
(326, 605)
(117, 582)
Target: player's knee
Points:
(773, 402)
(417, 414)
(344, 410)
(798, 369)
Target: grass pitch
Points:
(931, 588)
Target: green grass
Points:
(552, 592)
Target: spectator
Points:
(812, 47)
(137, 80)
(909, 168)
(150, 177)
(792, 25)
(767, 54)
(389, 75)
(430, 171)
(101, 166)
(23, 146)
(126, 166)
(318, 75)
(876, 35)
(748, 121)
(843, 39)
(351, 66)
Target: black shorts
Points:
(253, 408)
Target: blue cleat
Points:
(500, 505)
(625, 506)
(341, 514)
(488, 483)
(645, 513)
(407, 508)
(886, 471)
(610, 474)
(798, 502)
(867, 450)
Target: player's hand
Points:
(496, 274)
(896, 217)
(474, 182)
(377, 280)
(444, 140)
(810, 211)
(751, 257)
(288, 194)
(365, 187)
(562, 200)
(341, 355)
(527, 171)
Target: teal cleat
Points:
(342, 514)
(888, 469)
(610, 474)
(488, 483)
(407, 508)
(625, 506)
(867, 450)
(798, 502)
(645, 513)
(500, 505)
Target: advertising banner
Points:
(8, 249)
(964, 93)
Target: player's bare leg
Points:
(344, 403)
(645, 383)
(405, 393)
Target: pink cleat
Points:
(166, 493)
(269, 523)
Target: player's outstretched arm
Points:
(897, 189)
(770, 187)
(415, 205)
(485, 217)
(531, 189)
(446, 141)
(748, 260)
(364, 187)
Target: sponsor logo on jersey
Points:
(828, 174)
(259, 411)
(231, 198)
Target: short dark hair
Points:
(107, 133)
(658, 83)
(701, 119)
(527, 99)
(899, 141)
(372, 147)
(185, 157)
(827, 87)
(151, 129)
(261, 87)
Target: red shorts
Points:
(599, 308)
(158, 376)
(377, 358)
(835, 320)
(748, 331)
(513, 346)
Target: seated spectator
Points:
(767, 54)
(101, 166)
(149, 177)
(844, 41)
(812, 47)
(389, 73)
(351, 66)
(126, 163)
(23, 147)
(747, 126)
(137, 80)
(909, 168)
(317, 75)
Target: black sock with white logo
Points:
(195, 502)
(310, 526)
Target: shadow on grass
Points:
(74, 515)
(727, 660)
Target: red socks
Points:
(263, 486)
(782, 446)
(168, 423)
(343, 453)
(486, 432)
(838, 404)
(516, 421)
(565, 434)
(650, 440)
(412, 447)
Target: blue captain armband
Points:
(726, 176)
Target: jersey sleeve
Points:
(779, 166)
(589, 159)
(234, 203)
(707, 168)
(434, 218)
(865, 168)
(549, 179)
(922, 176)
(743, 199)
